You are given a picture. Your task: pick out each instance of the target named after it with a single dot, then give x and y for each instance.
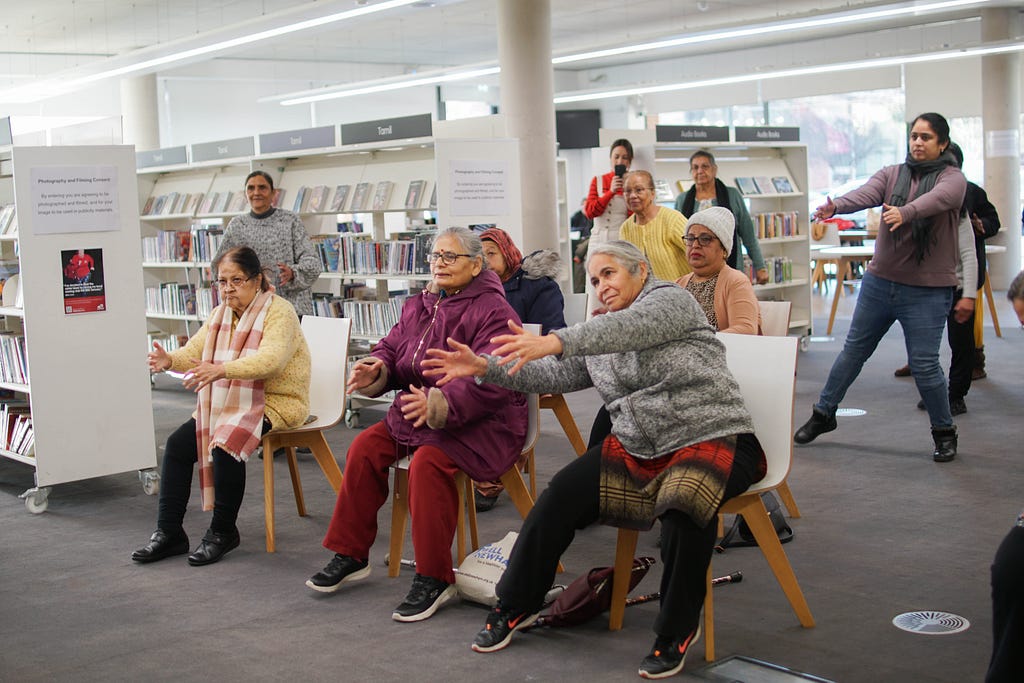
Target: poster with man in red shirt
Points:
(84, 290)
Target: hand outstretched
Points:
(450, 365)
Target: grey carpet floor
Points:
(884, 531)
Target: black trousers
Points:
(180, 457)
(571, 502)
(961, 343)
(1007, 663)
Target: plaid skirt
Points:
(636, 491)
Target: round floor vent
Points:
(850, 412)
(931, 623)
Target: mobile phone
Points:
(620, 170)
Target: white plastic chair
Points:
(327, 339)
(829, 238)
(775, 317)
(575, 308)
(765, 386)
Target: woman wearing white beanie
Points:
(725, 294)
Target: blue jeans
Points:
(922, 312)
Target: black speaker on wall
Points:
(577, 128)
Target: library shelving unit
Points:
(786, 255)
(179, 236)
(82, 372)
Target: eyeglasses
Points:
(639, 190)
(704, 239)
(447, 257)
(234, 282)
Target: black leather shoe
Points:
(483, 503)
(161, 545)
(945, 444)
(815, 427)
(957, 406)
(213, 547)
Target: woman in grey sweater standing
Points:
(682, 442)
(279, 239)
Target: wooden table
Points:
(843, 256)
(853, 235)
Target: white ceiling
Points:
(48, 38)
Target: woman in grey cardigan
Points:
(681, 442)
(279, 239)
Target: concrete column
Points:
(140, 115)
(1001, 91)
(527, 94)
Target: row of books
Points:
(365, 197)
(780, 269)
(171, 246)
(176, 298)
(13, 363)
(754, 185)
(8, 220)
(169, 342)
(779, 224)
(16, 433)
(361, 255)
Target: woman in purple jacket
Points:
(911, 277)
(476, 428)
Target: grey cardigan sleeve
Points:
(307, 265)
(542, 376)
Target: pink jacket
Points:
(736, 304)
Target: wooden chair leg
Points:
(992, 304)
(756, 516)
(625, 549)
(709, 618)
(786, 496)
(460, 519)
(531, 463)
(293, 470)
(325, 458)
(268, 493)
(399, 513)
(473, 536)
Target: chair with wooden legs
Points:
(761, 384)
(328, 348)
(512, 479)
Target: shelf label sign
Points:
(168, 156)
(767, 134)
(67, 199)
(224, 149)
(292, 140)
(479, 187)
(397, 128)
(695, 134)
(82, 274)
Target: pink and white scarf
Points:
(230, 413)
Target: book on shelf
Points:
(317, 199)
(350, 226)
(782, 184)
(764, 185)
(433, 198)
(414, 195)
(170, 203)
(184, 245)
(383, 195)
(301, 198)
(277, 198)
(145, 209)
(746, 185)
(328, 247)
(8, 220)
(192, 205)
(340, 195)
(222, 203)
(12, 296)
(237, 204)
(662, 192)
(207, 203)
(778, 224)
(360, 197)
(158, 205)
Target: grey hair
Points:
(1016, 289)
(626, 253)
(469, 240)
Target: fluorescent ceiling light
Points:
(783, 27)
(787, 73)
(49, 88)
(445, 76)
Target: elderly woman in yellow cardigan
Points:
(724, 293)
(250, 366)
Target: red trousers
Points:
(433, 501)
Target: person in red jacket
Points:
(606, 205)
(80, 267)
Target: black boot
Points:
(815, 427)
(978, 372)
(945, 444)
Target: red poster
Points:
(84, 290)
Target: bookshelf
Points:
(784, 227)
(71, 352)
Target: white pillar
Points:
(527, 94)
(140, 117)
(1000, 91)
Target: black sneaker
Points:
(483, 503)
(502, 622)
(667, 656)
(340, 569)
(425, 597)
